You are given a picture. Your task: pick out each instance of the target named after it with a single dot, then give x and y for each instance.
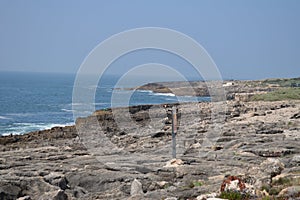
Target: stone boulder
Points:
(57, 179)
(136, 188)
(54, 195)
(292, 192)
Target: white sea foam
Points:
(164, 94)
(99, 104)
(11, 133)
(157, 93)
(66, 110)
(145, 91)
(2, 117)
(21, 114)
(49, 126)
(75, 104)
(21, 128)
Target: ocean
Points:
(37, 101)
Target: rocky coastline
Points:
(201, 88)
(251, 152)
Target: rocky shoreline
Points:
(201, 88)
(255, 154)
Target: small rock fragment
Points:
(174, 163)
(60, 195)
(171, 198)
(136, 188)
(296, 159)
(57, 179)
(162, 184)
(206, 196)
(24, 198)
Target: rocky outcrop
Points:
(136, 189)
(254, 150)
(234, 90)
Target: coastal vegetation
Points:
(291, 82)
(285, 93)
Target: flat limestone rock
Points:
(116, 161)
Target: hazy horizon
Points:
(246, 39)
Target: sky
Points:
(247, 39)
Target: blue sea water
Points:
(37, 101)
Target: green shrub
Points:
(278, 95)
(274, 191)
(195, 184)
(282, 82)
(231, 195)
(265, 187)
(268, 198)
(282, 181)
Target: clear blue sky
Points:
(248, 39)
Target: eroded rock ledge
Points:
(257, 145)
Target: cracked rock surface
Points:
(126, 157)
